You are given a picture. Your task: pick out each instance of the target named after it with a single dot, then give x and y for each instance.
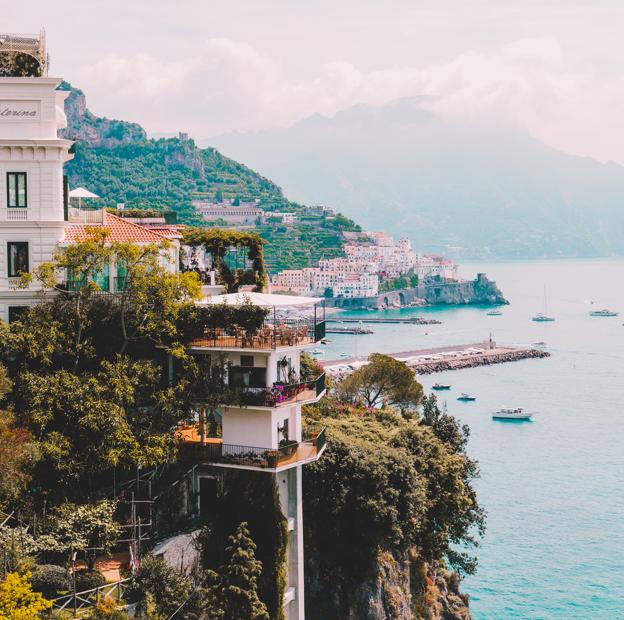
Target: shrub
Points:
(50, 580)
(88, 580)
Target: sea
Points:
(553, 488)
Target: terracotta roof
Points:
(172, 231)
(121, 231)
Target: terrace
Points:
(215, 452)
(274, 331)
(283, 395)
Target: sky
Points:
(552, 67)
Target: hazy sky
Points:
(552, 66)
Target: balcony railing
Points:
(253, 456)
(119, 284)
(14, 214)
(281, 395)
(73, 286)
(274, 333)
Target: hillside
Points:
(453, 187)
(116, 160)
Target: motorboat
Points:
(494, 313)
(466, 397)
(345, 355)
(604, 312)
(316, 352)
(509, 413)
(540, 344)
(542, 318)
(440, 386)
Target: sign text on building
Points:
(18, 109)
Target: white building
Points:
(364, 285)
(246, 213)
(265, 434)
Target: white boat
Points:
(605, 312)
(509, 413)
(542, 317)
(345, 355)
(494, 313)
(316, 352)
(466, 397)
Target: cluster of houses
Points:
(370, 259)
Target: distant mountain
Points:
(116, 160)
(472, 190)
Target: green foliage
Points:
(310, 368)
(383, 381)
(50, 579)
(163, 586)
(217, 243)
(107, 610)
(115, 160)
(18, 601)
(233, 591)
(89, 579)
(385, 483)
(251, 497)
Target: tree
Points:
(89, 528)
(233, 591)
(18, 450)
(18, 601)
(383, 381)
(161, 586)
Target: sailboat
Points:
(542, 317)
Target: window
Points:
(17, 258)
(15, 312)
(16, 190)
(247, 361)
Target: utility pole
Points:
(73, 559)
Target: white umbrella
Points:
(80, 193)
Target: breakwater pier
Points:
(440, 359)
(413, 320)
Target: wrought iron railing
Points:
(284, 394)
(253, 456)
(272, 334)
(77, 285)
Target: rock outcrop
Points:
(481, 290)
(397, 588)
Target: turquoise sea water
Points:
(553, 488)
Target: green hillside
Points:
(116, 160)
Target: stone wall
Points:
(481, 290)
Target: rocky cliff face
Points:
(397, 588)
(94, 131)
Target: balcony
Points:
(14, 214)
(73, 286)
(215, 452)
(273, 334)
(283, 395)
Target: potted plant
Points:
(272, 458)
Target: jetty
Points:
(440, 359)
(348, 330)
(413, 320)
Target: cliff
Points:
(398, 588)
(481, 291)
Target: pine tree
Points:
(233, 594)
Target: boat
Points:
(542, 317)
(345, 355)
(466, 397)
(440, 386)
(316, 352)
(494, 313)
(605, 312)
(509, 413)
(539, 343)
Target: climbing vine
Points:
(218, 242)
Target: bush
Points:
(49, 579)
(88, 580)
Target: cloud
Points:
(231, 86)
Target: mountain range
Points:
(469, 189)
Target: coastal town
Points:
(159, 385)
